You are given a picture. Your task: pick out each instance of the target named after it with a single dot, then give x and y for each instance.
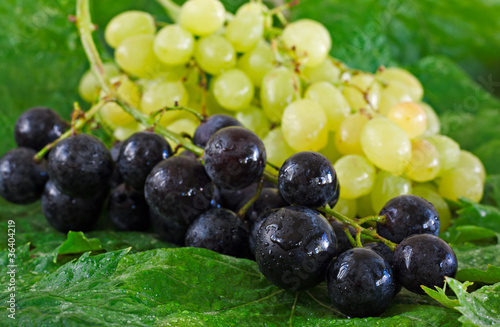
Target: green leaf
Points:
(488, 152)
(492, 190)
(77, 244)
(439, 294)
(478, 263)
(478, 215)
(467, 233)
(489, 276)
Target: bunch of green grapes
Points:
(280, 82)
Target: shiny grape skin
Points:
(179, 189)
(219, 230)
(80, 166)
(408, 215)
(170, 231)
(423, 259)
(208, 128)
(254, 229)
(116, 178)
(343, 243)
(66, 213)
(235, 158)
(269, 198)
(381, 249)
(21, 178)
(294, 247)
(37, 127)
(307, 178)
(333, 202)
(360, 283)
(128, 209)
(139, 154)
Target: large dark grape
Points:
(128, 209)
(169, 230)
(423, 259)
(21, 178)
(270, 198)
(254, 229)
(38, 127)
(381, 249)
(235, 158)
(408, 215)
(139, 154)
(343, 242)
(116, 178)
(360, 283)
(212, 125)
(294, 247)
(219, 230)
(179, 189)
(335, 198)
(80, 166)
(67, 213)
(308, 178)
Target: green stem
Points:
(349, 236)
(270, 178)
(191, 111)
(242, 212)
(358, 238)
(173, 10)
(378, 219)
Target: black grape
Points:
(343, 242)
(169, 230)
(381, 249)
(128, 209)
(116, 178)
(208, 128)
(269, 198)
(254, 229)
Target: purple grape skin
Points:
(21, 178)
(269, 198)
(360, 283)
(423, 259)
(208, 128)
(254, 229)
(128, 209)
(343, 242)
(408, 215)
(168, 230)
(381, 249)
(235, 158)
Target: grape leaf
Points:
(478, 263)
(492, 190)
(76, 244)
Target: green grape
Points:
(428, 185)
(277, 92)
(472, 163)
(386, 145)
(304, 125)
(121, 133)
(277, 150)
(324, 72)
(127, 24)
(346, 207)
(347, 137)
(257, 62)
(433, 124)
(89, 86)
(386, 187)
(356, 88)
(215, 54)
(135, 56)
(424, 163)
(165, 94)
(404, 77)
(411, 117)
(113, 116)
(365, 207)
(330, 150)
(331, 100)
(167, 74)
(182, 126)
(356, 176)
(392, 94)
(461, 182)
(245, 30)
(233, 90)
(449, 151)
(254, 119)
(173, 45)
(438, 202)
(202, 17)
(309, 39)
(253, 8)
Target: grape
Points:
(135, 56)
(252, 7)
(170, 231)
(343, 243)
(269, 198)
(215, 54)
(127, 24)
(276, 148)
(37, 127)
(360, 283)
(202, 17)
(128, 209)
(304, 125)
(472, 163)
(255, 228)
(364, 206)
(326, 71)
(459, 182)
(21, 178)
(411, 117)
(231, 199)
(449, 152)
(254, 119)
(65, 213)
(336, 199)
(184, 126)
(423, 260)
(346, 207)
(355, 90)
(89, 86)
(382, 250)
(112, 114)
(391, 95)
(407, 215)
(245, 30)
(356, 175)
(433, 124)
(331, 100)
(139, 154)
(122, 133)
(438, 202)
(309, 40)
(386, 145)
(278, 91)
(257, 62)
(234, 157)
(165, 94)
(308, 179)
(212, 125)
(219, 230)
(116, 178)
(386, 187)
(394, 74)
(80, 166)
(233, 90)
(330, 150)
(424, 163)
(179, 190)
(347, 137)
(294, 247)
(173, 45)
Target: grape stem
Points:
(173, 10)
(243, 211)
(191, 111)
(348, 234)
(378, 219)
